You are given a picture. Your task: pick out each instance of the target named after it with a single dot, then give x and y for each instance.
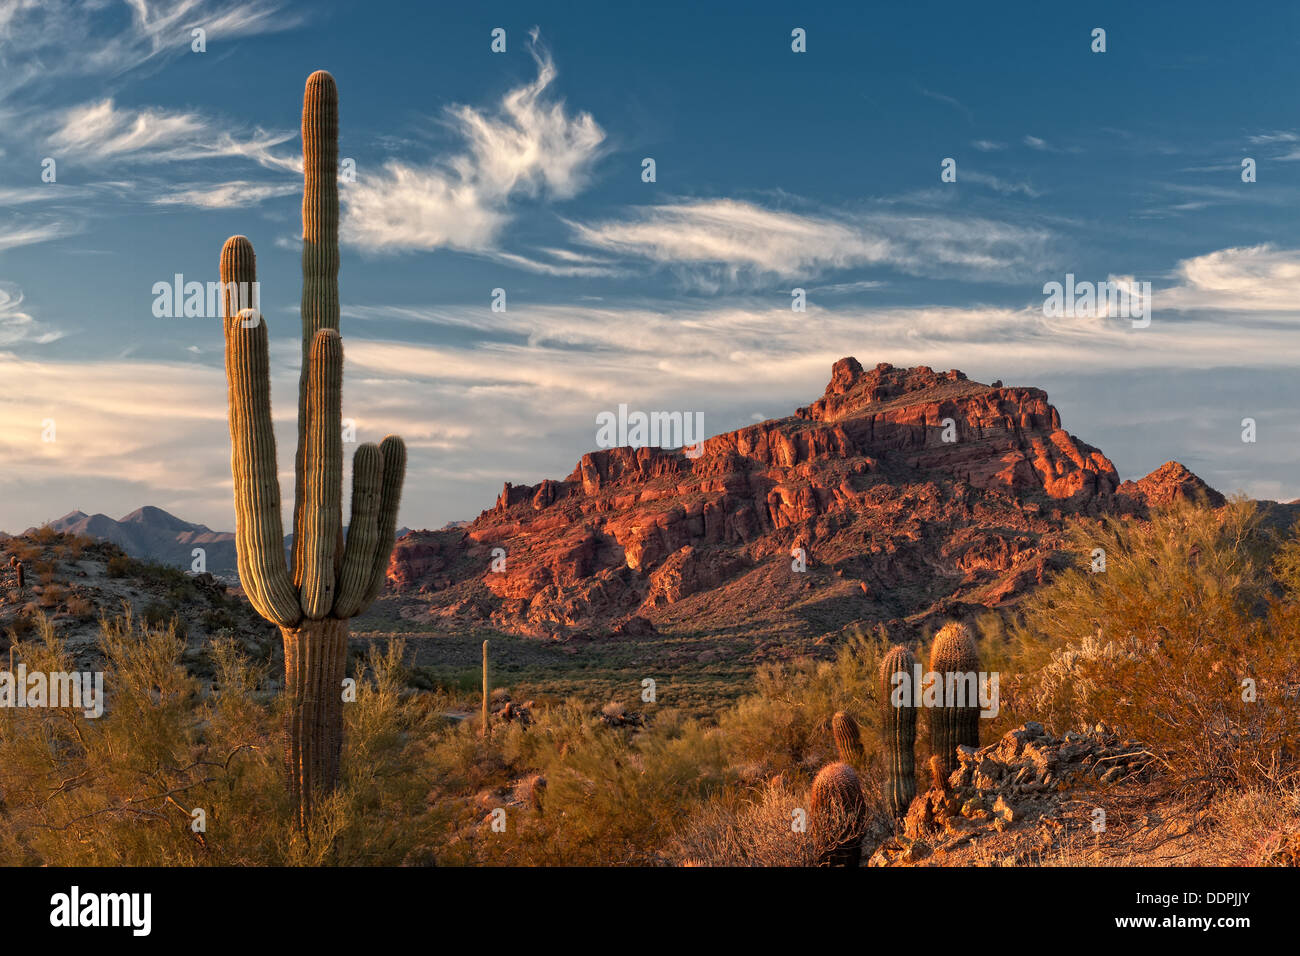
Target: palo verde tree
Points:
(328, 581)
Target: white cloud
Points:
(226, 195)
(18, 326)
(1241, 278)
(44, 41)
(31, 231)
(101, 131)
(728, 241)
(998, 185)
(528, 146)
(512, 396)
(1279, 136)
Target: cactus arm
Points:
(320, 260)
(394, 452)
(322, 476)
(363, 530)
(259, 533)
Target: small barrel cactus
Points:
(837, 816)
(848, 738)
(898, 700)
(954, 661)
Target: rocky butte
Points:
(912, 493)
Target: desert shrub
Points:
(120, 789)
(119, 566)
(52, 595)
(157, 614)
(22, 624)
(746, 829)
(612, 795)
(45, 535)
(81, 607)
(1166, 643)
(785, 724)
(24, 550)
(217, 619)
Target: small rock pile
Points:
(1019, 779)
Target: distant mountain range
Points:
(152, 534)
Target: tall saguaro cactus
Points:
(329, 581)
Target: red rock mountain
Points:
(912, 493)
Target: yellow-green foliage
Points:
(786, 724)
(613, 796)
(1191, 606)
(119, 790)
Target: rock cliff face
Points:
(898, 495)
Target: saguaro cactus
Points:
(954, 661)
(837, 816)
(328, 582)
(848, 738)
(486, 729)
(898, 727)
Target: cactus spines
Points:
(322, 475)
(330, 580)
(363, 530)
(259, 535)
(320, 258)
(393, 451)
(848, 738)
(954, 661)
(898, 700)
(837, 815)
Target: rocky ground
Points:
(1082, 799)
(72, 581)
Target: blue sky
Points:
(522, 170)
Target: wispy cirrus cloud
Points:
(719, 242)
(225, 195)
(527, 146)
(950, 101)
(101, 132)
(17, 325)
(29, 231)
(44, 42)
